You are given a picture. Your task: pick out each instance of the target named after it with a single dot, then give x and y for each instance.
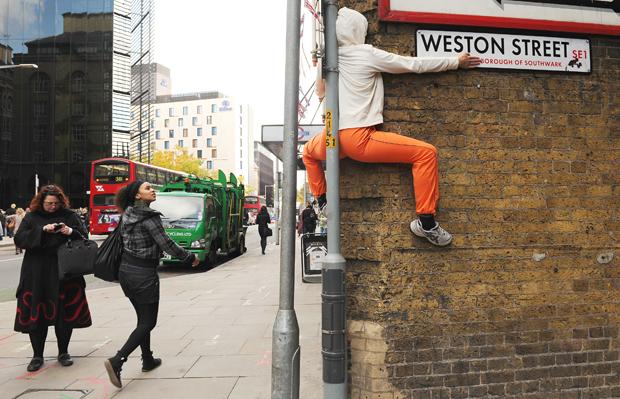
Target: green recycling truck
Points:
(204, 216)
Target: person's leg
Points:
(37, 340)
(147, 319)
(263, 243)
(370, 145)
(313, 154)
(63, 336)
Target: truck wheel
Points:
(240, 248)
(211, 258)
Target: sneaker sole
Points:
(421, 235)
(112, 375)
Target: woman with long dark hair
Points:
(262, 220)
(144, 239)
(42, 299)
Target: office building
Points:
(209, 125)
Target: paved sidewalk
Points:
(214, 335)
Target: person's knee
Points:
(429, 153)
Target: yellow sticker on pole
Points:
(328, 121)
(330, 140)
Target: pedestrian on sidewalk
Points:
(262, 220)
(18, 217)
(361, 94)
(9, 223)
(308, 216)
(144, 239)
(42, 299)
(2, 224)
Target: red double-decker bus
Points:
(107, 176)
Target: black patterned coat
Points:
(42, 299)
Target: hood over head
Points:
(351, 27)
(134, 215)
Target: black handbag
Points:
(108, 257)
(76, 258)
(268, 232)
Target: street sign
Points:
(581, 16)
(509, 51)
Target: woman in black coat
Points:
(262, 220)
(42, 299)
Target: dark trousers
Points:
(63, 336)
(141, 335)
(263, 243)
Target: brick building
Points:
(524, 303)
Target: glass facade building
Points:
(75, 107)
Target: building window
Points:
(39, 131)
(40, 83)
(209, 165)
(77, 82)
(199, 154)
(209, 120)
(241, 165)
(78, 133)
(199, 109)
(166, 145)
(157, 113)
(152, 123)
(166, 122)
(185, 132)
(171, 133)
(170, 111)
(180, 143)
(157, 134)
(208, 142)
(185, 110)
(78, 109)
(213, 108)
(195, 143)
(213, 130)
(194, 121)
(180, 122)
(38, 156)
(77, 156)
(199, 132)
(214, 153)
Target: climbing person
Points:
(360, 94)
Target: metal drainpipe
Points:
(285, 342)
(333, 306)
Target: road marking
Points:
(9, 260)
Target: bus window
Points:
(112, 172)
(103, 200)
(141, 173)
(152, 175)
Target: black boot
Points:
(113, 366)
(149, 362)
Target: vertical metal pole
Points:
(285, 343)
(333, 295)
(276, 202)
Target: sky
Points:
(236, 47)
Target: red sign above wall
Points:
(580, 16)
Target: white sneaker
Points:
(436, 235)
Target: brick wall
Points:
(524, 303)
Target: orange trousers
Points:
(367, 144)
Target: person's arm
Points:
(164, 242)
(383, 61)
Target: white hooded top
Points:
(360, 66)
